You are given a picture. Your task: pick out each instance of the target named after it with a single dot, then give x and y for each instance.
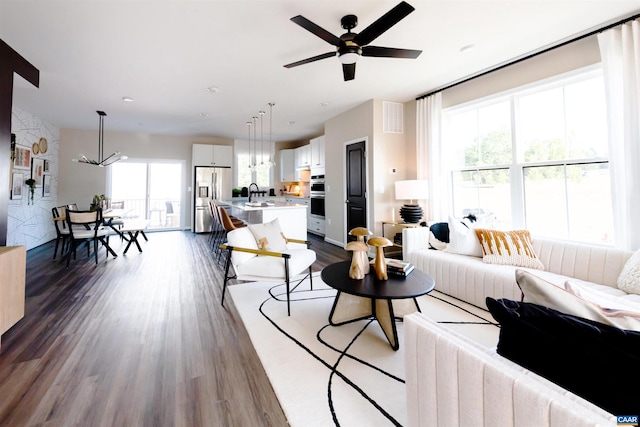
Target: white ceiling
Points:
(165, 54)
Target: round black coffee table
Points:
(385, 300)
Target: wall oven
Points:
(317, 196)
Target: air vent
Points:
(392, 117)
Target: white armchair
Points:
(262, 263)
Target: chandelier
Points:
(253, 162)
(102, 161)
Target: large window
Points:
(253, 154)
(535, 158)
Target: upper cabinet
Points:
(303, 157)
(212, 155)
(287, 166)
(317, 152)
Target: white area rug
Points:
(338, 375)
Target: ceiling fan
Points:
(350, 46)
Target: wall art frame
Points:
(37, 171)
(22, 159)
(17, 186)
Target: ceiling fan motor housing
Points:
(349, 22)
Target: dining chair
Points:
(86, 226)
(62, 232)
(72, 206)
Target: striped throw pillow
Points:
(508, 247)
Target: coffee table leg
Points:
(386, 319)
(349, 308)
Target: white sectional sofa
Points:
(470, 279)
(452, 381)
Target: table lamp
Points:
(412, 190)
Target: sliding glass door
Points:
(149, 189)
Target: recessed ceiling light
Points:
(291, 123)
(213, 89)
(127, 99)
(324, 104)
(467, 48)
(204, 114)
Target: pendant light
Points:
(271, 163)
(251, 167)
(102, 162)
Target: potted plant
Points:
(32, 188)
(236, 192)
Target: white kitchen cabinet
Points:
(302, 160)
(317, 152)
(287, 165)
(212, 155)
(316, 225)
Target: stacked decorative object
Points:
(412, 190)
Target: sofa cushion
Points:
(629, 279)
(508, 247)
(595, 361)
(538, 291)
(462, 239)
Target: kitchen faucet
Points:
(250, 192)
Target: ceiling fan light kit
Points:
(351, 46)
(102, 161)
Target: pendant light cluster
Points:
(269, 162)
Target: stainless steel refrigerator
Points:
(210, 184)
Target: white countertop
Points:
(264, 205)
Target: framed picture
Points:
(37, 170)
(46, 185)
(47, 166)
(22, 158)
(17, 186)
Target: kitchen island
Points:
(292, 216)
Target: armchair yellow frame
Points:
(230, 249)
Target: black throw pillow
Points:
(598, 362)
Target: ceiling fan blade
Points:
(390, 52)
(349, 71)
(318, 31)
(383, 23)
(312, 59)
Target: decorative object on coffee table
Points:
(380, 264)
(360, 233)
(412, 190)
(359, 261)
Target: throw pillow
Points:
(629, 278)
(575, 353)
(610, 303)
(269, 236)
(538, 291)
(508, 248)
(462, 239)
(438, 235)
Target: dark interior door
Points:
(356, 187)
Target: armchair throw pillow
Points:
(269, 236)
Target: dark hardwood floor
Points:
(139, 340)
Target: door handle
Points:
(347, 201)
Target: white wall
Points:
(80, 182)
(31, 224)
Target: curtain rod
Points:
(529, 56)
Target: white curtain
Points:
(429, 155)
(620, 52)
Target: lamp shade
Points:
(413, 189)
